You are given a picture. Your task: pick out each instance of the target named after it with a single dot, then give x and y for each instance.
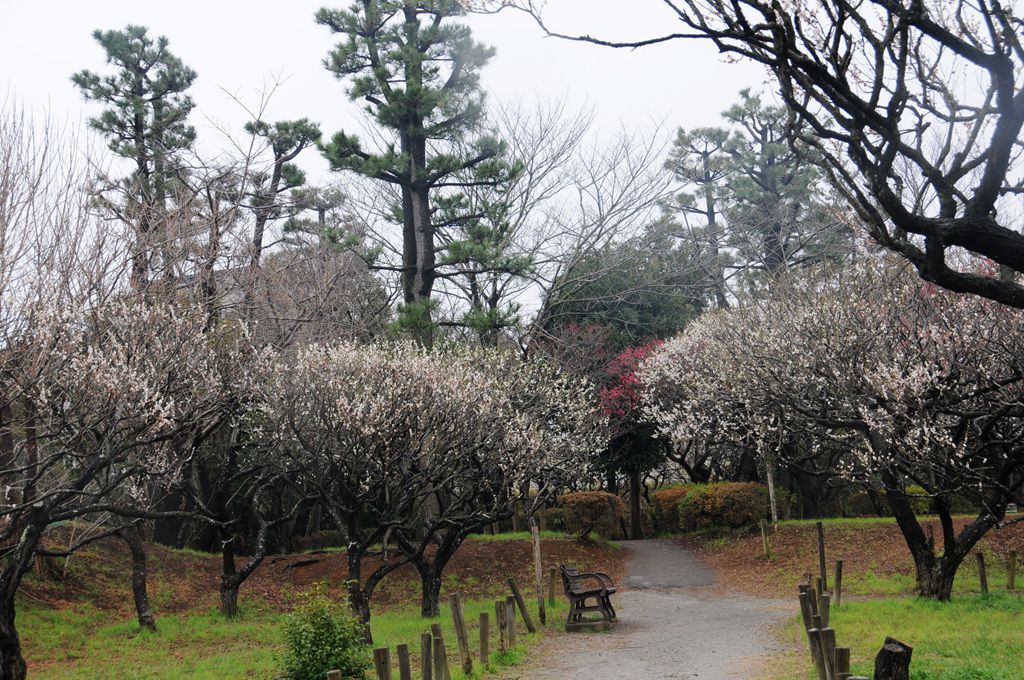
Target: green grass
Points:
(520, 536)
(970, 638)
(70, 644)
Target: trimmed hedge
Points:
(729, 504)
(597, 511)
(666, 507)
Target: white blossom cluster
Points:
(897, 376)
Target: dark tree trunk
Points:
(612, 481)
(229, 599)
(15, 564)
(229, 582)
(133, 538)
(358, 596)
(635, 520)
(893, 661)
(12, 664)
(430, 584)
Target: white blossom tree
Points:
(913, 384)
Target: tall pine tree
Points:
(145, 120)
(417, 69)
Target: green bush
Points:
(597, 511)
(729, 504)
(666, 507)
(555, 518)
(321, 636)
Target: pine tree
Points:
(417, 68)
(145, 120)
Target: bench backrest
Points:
(570, 579)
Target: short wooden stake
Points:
(837, 584)
(827, 637)
(510, 612)
(404, 662)
(826, 609)
(441, 669)
(485, 642)
(893, 661)
(518, 597)
(501, 618)
(461, 636)
(764, 538)
(821, 556)
(552, 579)
(842, 663)
(982, 576)
(382, 663)
(814, 635)
(1011, 571)
(426, 657)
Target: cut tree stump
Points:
(893, 661)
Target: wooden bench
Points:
(583, 587)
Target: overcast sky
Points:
(237, 47)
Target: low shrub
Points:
(555, 519)
(321, 636)
(729, 504)
(665, 503)
(597, 511)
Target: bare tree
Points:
(915, 107)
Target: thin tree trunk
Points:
(133, 538)
(635, 521)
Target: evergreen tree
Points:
(764, 204)
(145, 120)
(417, 68)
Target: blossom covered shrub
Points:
(728, 504)
(594, 511)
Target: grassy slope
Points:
(971, 638)
(89, 631)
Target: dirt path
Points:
(672, 624)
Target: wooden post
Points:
(837, 584)
(806, 610)
(982, 576)
(441, 669)
(461, 637)
(426, 665)
(893, 661)
(826, 609)
(1011, 571)
(404, 663)
(821, 556)
(538, 573)
(842, 662)
(382, 663)
(501, 618)
(552, 580)
(334, 675)
(764, 538)
(518, 598)
(510, 612)
(814, 635)
(485, 642)
(827, 637)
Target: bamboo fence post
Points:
(518, 597)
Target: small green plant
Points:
(321, 636)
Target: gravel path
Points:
(672, 624)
